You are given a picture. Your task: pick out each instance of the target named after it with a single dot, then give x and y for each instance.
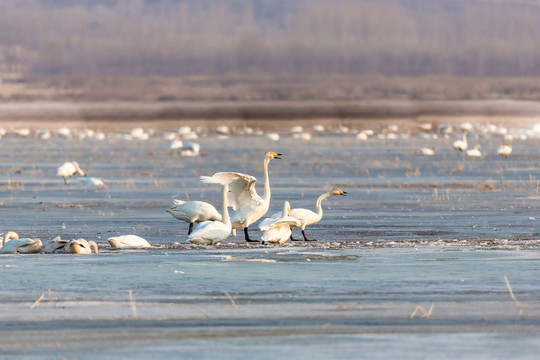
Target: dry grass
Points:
(38, 301)
(425, 314)
(133, 305)
(522, 309)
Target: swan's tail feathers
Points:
(210, 180)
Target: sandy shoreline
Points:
(264, 115)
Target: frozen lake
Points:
(413, 230)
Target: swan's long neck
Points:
(224, 210)
(267, 193)
(93, 246)
(9, 235)
(318, 206)
(78, 169)
(465, 138)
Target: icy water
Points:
(437, 231)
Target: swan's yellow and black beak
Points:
(342, 193)
(276, 155)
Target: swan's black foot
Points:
(296, 239)
(305, 237)
(246, 236)
(190, 228)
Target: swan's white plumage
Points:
(278, 230)
(69, 169)
(81, 246)
(12, 244)
(213, 232)
(128, 241)
(247, 204)
(504, 150)
(308, 217)
(461, 145)
(93, 181)
(474, 152)
(54, 246)
(194, 211)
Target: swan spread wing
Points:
(242, 189)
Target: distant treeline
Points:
(389, 37)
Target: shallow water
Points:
(413, 230)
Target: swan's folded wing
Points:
(285, 221)
(266, 223)
(209, 229)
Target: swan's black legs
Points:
(190, 228)
(305, 237)
(293, 239)
(246, 235)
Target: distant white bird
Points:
(24, 132)
(247, 204)
(213, 232)
(64, 132)
(128, 241)
(194, 212)
(302, 136)
(297, 129)
(81, 246)
(427, 151)
(504, 150)
(95, 182)
(176, 144)
(308, 217)
(11, 244)
(190, 149)
(278, 230)
(273, 136)
(43, 134)
(69, 169)
(474, 152)
(461, 145)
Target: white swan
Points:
(213, 232)
(95, 182)
(128, 241)
(247, 204)
(278, 230)
(461, 145)
(69, 169)
(474, 152)
(11, 244)
(427, 151)
(54, 246)
(81, 246)
(308, 217)
(504, 150)
(194, 212)
(190, 149)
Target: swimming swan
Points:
(247, 204)
(69, 169)
(194, 212)
(278, 230)
(128, 241)
(213, 232)
(308, 217)
(81, 246)
(11, 244)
